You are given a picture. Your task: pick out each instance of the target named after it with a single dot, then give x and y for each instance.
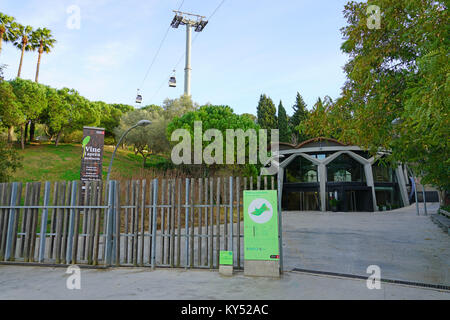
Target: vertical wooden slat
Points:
(59, 220)
(211, 223)
(238, 222)
(179, 223)
(218, 221)
(143, 194)
(91, 223)
(65, 223)
(76, 224)
(172, 224)
(44, 222)
(169, 226)
(126, 238)
(206, 223)
(3, 218)
(258, 183)
(186, 217)
(154, 222)
(73, 199)
(133, 219)
(86, 202)
(225, 214)
(15, 196)
(162, 224)
(150, 222)
(199, 222)
(265, 182)
(117, 224)
(26, 224)
(136, 223)
(272, 179)
(192, 216)
(16, 217)
(51, 251)
(35, 218)
(251, 183)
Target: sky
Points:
(248, 48)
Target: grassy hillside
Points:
(46, 162)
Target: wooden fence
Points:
(158, 223)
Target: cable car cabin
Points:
(139, 99)
(172, 82)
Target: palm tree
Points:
(23, 43)
(7, 29)
(42, 39)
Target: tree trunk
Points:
(21, 61)
(22, 136)
(32, 130)
(26, 132)
(38, 64)
(10, 134)
(1, 40)
(58, 137)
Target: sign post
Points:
(92, 156)
(261, 242)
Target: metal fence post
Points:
(109, 223)
(11, 222)
(73, 202)
(186, 224)
(154, 221)
(230, 239)
(44, 222)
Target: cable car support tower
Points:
(191, 21)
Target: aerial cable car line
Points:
(139, 97)
(175, 23)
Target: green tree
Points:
(10, 109)
(7, 29)
(399, 72)
(23, 43)
(300, 114)
(10, 161)
(321, 121)
(220, 118)
(67, 111)
(145, 140)
(266, 113)
(283, 124)
(32, 99)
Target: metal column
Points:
(187, 69)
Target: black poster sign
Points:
(92, 156)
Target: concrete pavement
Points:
(142, 283)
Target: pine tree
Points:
(283, 124)
(266, 113)
(300, 115)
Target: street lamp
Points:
(142, 123)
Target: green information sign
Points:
(261, 225)
(226, 258)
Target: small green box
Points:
(226, 258)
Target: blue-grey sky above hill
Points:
(248, 48)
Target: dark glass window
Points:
(383, 173)
(345, 169)
(301, 170)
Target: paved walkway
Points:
(127, 283)
(405, 246)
